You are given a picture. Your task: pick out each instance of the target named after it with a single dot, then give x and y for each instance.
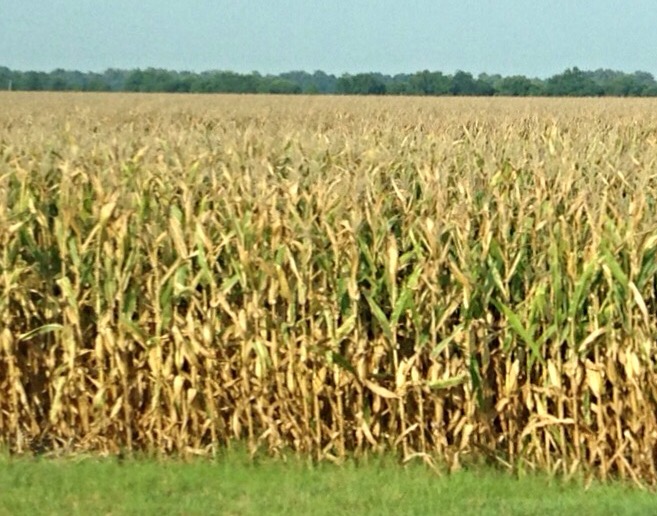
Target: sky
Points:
(536, 38)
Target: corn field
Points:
(446, 279)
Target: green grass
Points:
(234, 485)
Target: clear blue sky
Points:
(533, 38)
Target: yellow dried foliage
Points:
(441, 277)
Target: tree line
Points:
(572, 82)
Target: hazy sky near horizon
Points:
(533, 38)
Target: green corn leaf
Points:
(46, 328)
(475, 379)
(580, 288)
(497, 278)
(520, 330)
(380, 316)
(448, 383)
(440, 347)
(405, 300)
(615, 268)
(346, 328)
(228, 284)
(342, 362)
(75, 256)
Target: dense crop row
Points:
(443, 277)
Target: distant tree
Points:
(277, 85)
(645, 79)
(34, 81)
(400, 85)
(429, 83)
(650, 92)
(572, 83)
(134, 81)
(325, 83)
(490, 79)
(311, 89)
(623, 86)
(231, 82)
(95, 82)
(515, 86)
(115, 79)
(318, 82)
(6, 78)
(484, 88)
(361, 84)
(345, 85)
(368, 84)
(57, 80)
(463, 83)
(76, 80)
(153, 79)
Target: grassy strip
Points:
(235, 485)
